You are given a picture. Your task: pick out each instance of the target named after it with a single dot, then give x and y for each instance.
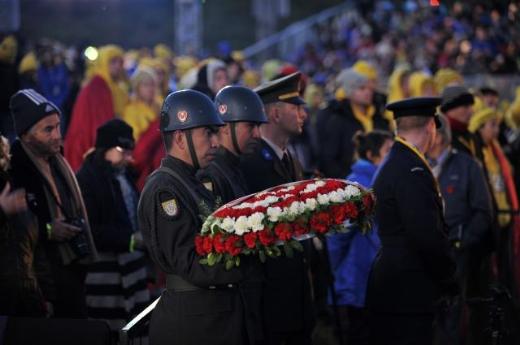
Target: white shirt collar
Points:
(277, 149)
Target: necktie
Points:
(286, 161)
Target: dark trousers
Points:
(70, 301)
(289, 338)
(354, 325)
(401, 329)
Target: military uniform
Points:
(202, 304)
(413, 268)
(287, 306)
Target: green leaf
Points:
(229, 264)
(261, 255)
(237, 261)
(212, 259)
(288, 250)
(296, 245)
(276, 251)
(218, 257)
(203, 261)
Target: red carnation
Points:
(320, 222)
(218, 244)
(283, 231)
(232, 245)
(199, 248)
(300, 229)
(207, 244)
(250, 239)
(351, 210)
(368, 202)
(338, 214)
(266, 237)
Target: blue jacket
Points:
(351, 254)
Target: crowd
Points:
(82, 137)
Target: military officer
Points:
(243, 111)
(202, 304)
(266, 162)
(413, 268)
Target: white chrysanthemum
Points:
(228, 224)
(310, 204)
(335, 197)
(274, 213)
(254, 221)
(295, 209)
(323, 199)
(271, 199)
(207, 224)
(310, 188)
(352, 191)
(241, 226)
(320, 183)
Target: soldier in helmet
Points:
(202, 304)
(243, 111)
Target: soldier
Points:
(413, 268)
(243, 111)
(266, 162)
(201, 304)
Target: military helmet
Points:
(238, 103)
(187, 109)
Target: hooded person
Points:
(9, 84)
(367, 69)
(102, 98)
(211, 77)
(144, 107)
(53, 195)
(421, 85)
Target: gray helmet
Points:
(187, 109)
(238, 103)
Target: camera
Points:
(79, 243)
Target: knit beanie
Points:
(28, 107)
(350, 80)
(114, 133)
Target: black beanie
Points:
(114, 133)
(28, 107)
(455, 96)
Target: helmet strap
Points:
(193, 154)
(234, 138)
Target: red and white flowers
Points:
(265, 223)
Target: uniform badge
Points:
(267, 155)
(208, 185)
(222, 109)
(170, 207)
(182, 115)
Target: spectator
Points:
(101, 99)
(20, 294)
(457, 105)
(116, 284)
(9, 84)
(54, 197)
(211, 77)
(340, 120)
(144, 107)
(351, 254)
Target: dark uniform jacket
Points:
(287, 296)
(224, 176)
(336, 126)
(413, 266)
(202, 304)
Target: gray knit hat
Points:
(350, 80)
(455, 96)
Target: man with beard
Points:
(202, 304)
(266, 162)
(53, 195)
(413, 269)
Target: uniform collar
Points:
(178, 164)
(277, 149)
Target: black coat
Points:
(414, 265)
(106, 208)
(287, 296)
(225, 176)
(169, 220)
(336, 126)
